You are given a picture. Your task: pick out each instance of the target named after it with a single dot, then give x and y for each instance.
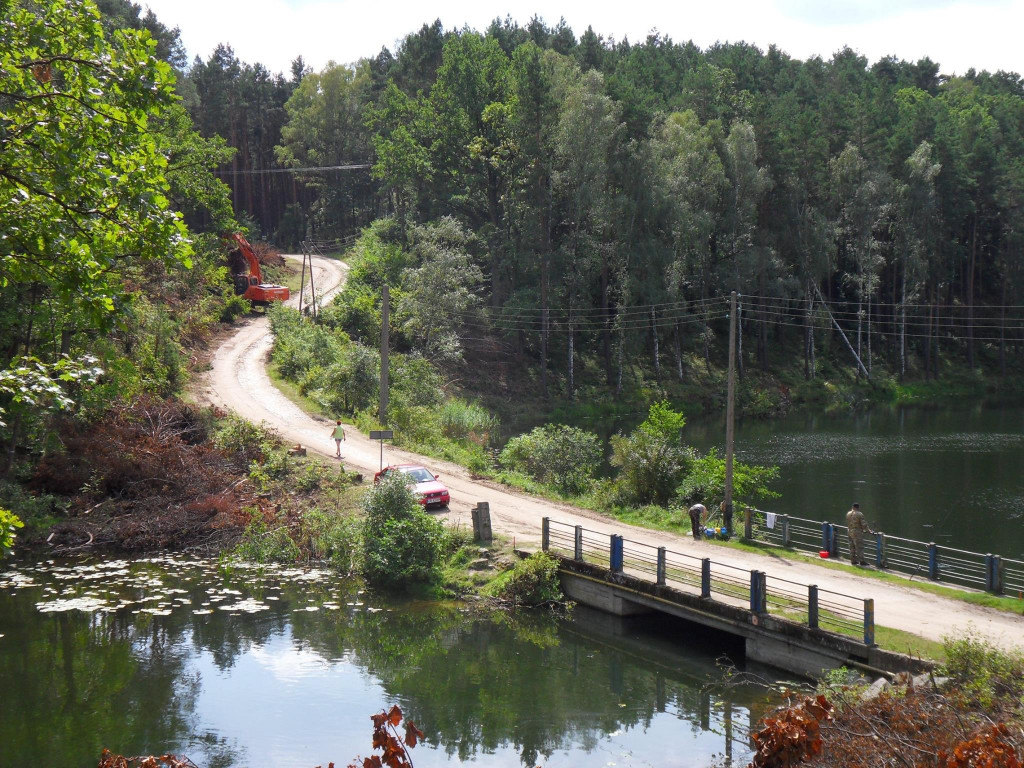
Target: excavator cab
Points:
(248, 278)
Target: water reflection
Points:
(252, 668)
(953, 476)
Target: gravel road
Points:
(238, 382)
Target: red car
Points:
(424, 483)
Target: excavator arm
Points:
(251, 285)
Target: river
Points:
(954, 476)
(281, 667)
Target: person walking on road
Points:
(857, 526)
(338, 433)
(697, 513)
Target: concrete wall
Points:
(768, 639)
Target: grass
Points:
(998, 602)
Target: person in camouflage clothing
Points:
(857, 526)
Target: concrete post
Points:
(661, 565)
(812, 606)
(705, 577)
(577, 552)
(545, 533)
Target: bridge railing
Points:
(988, 572)
(803, 603)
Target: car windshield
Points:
(419, 474)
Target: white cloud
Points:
(958, 35)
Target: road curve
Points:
(237, 381)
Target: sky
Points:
(983, 34)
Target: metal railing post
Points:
(880, 550)
(615, 557)
(997, 574)
(545, 535)
(812, 606)
(826, 545)
(989, 573)
(757, 592)
(833, 541)
(661, 565)
(705, 577)
(869, 622)
(785, 530)
(933, 561)
(577, 549)
(762, 591)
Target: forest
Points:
(617, 193)
(561, 220)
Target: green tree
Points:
(652, 459)
(562, 456)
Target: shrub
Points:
(9, 523)
(401, 542)
(985, 674)
(334, 538)
(530, 582)
(706, 480)
(263, 543)
(242, 440)
(561, 456)
(652, 458)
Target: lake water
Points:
(283, 667)
(954, 476)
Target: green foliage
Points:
(31, 386)
(563, 457)
(9, 523)
(401, 542)
(531, 582)
(984, 674)
(264, 542)
(705, 480)
(38, 512)
(242, 440)
(332, 536)
(84, 181)
(652, 458)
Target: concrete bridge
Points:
(791, 626)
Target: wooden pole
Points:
(302, 287)
(730, 418)
(385, 301)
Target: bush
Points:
(984, 674)
(560, 456)
(242, 440)
(706, 480)
(652, 460)
(9, 524)
(334, 538)
(530, 582)
(401, 542)
(263, 543)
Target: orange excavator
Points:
(250, 284)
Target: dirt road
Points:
(238, 382)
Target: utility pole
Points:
(385, 301)
(302, 287)
(730, 423)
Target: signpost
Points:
(382, 435)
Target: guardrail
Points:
(987, 572)
(803, 603)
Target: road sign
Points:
(382, 434)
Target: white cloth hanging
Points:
(771, 518)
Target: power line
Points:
(311, 169)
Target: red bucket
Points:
(823, 554)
